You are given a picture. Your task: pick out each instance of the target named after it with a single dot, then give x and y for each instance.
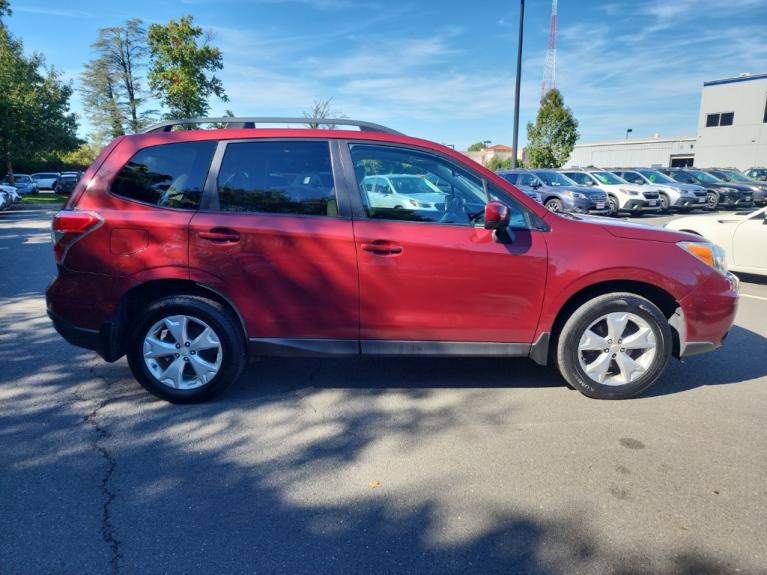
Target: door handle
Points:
(382, 248)
(220, 236)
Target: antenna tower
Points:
(550, 67)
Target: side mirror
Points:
(497, 216)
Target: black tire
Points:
(554, 205)
(712, 200)
(218, 318)
(613, 205)
(568, 342)
(665, 204)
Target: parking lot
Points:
(372, 465)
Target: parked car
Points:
(673, 194)
(23, 183)
(400, 191)
(621, 196)
(742, 235)
(191, 250)
(718, 193)
(66, 183)
(558, 193)
(757, 174)
(12, 194)
(46, 180)
(5, 199)
(731, 175)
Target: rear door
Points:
(275, 240)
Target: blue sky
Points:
(443, 70)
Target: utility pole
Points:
(519, 79)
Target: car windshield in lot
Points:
(704, 177)
(411, 185)
(22, 179)
(655, 177)
(555, 179)
(608, 179)
(733, 176)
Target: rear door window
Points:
(168, 175)
(288, 177)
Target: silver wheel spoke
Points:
(597, 369)
(206, 340)
(177, 325)
(204, 369)
(616, 325)
(641, 339)
(173, 374)
(590, 341)
(630, 369)
(153, 348)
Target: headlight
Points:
(710, 254)
(629, 192)
(571, 194)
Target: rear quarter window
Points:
(168, 175)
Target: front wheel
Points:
(554, 205)
(712, 200)
(186, 349)
(614, 346)
(665, 203)
(612, 204)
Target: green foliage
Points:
(111, 84)
(5, 8)
(79, 158)
(551, 139)
(34, 105)
(478, 147)
(496, 163)
(182, 66)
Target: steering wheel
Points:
(455, 211)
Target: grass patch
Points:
(43, 199)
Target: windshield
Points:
(732, 175)
(656, 177)
(704, 177)
(555, 179)
(46, 176)
(411, 185)
(608, 178)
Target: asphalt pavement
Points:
(371, 465)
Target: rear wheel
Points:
(614, 346)
(186, 349)
(613, 205)
(554, 205)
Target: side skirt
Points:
(331, 347)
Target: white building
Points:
(732, 132)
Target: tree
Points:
(81, 157)
(321, 110)
(101, 100)
(551, 139)
(34, 105)
(5, 9)
(478, 147)
(182, 66)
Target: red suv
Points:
(191, 250)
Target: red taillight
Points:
(69, 226)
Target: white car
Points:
(742, 235)
(46, 180)
(403, 191)
(12, 193)
(673, 194)
(621, 195)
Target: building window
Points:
(723, 119)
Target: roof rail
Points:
(251, 122)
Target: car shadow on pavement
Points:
(741, 358)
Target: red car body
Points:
(349, 285)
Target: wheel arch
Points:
(664, 300)
(138, 297)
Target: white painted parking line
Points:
(753, 296)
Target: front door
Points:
(274, 242)
(431, 272)
(749, 241)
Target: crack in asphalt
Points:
(107, 494)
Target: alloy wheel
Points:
(617, 349)
(182, 352)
